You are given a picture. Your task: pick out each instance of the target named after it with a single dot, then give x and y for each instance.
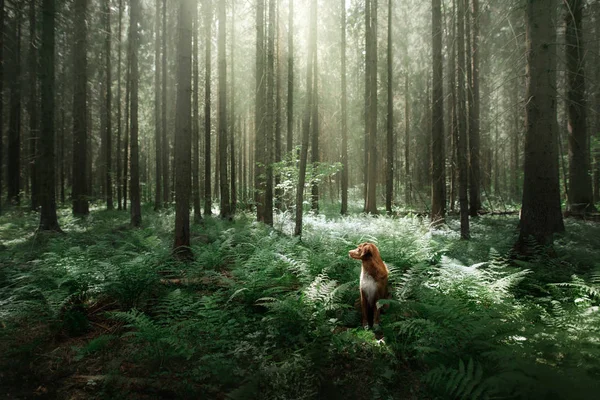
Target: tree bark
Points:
(119, 107)
(345, 165)
(474, 151)
(389, 171)
(225, 203)
(80, 111)
(48, 218)
(371, 120)
(260, 123)
(290, 82)
(165, 140)
(315, 133)
(580, 196)
(232, 118)
(108, 47)
(136, 208)
(408, 183)
(183, 134)
(461, 143)
(207, 106)
(438, 141)
(33, 106)
(540, 214)
(1, 98)
(312, 41)
(157, 123)
(196, 119)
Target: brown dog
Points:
(373, 281)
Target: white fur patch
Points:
(368, 286)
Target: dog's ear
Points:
(366, 250)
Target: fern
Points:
(464, 382)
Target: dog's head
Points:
(364, 251)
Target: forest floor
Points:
(104, 311)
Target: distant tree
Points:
(13, 167)
(596, 100)
(196, 119)
(1, 97)
(438, 152)
(461, 142)
(119, 107)
(389, 166)
(158, 194)
(164, 141)
(290, 80)
(278, 109)
(225, 203)
(540, 214)
(48, 218)
(474, 146)
(314, 147)
(136, 208)
(207, 116)
(408, 183)
(108, 135)
(183, 131)
(371, 109)
(33, 105)
(80, 109)
(260, 124)
(312, 43)
(580, 195)
(345, 165)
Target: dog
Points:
(373, 281)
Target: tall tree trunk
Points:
(454, 112)
(108, 46)
(232, 116)
(278, 191)
(207, 111)
(515, 148)
(48, 218)
(119, 107)
(580, 197)
(389, 170)
(540, 215)
(14, 123)
(596, 173)
(371, 112)
(1, 98)
(183, 134)
(158, 194)
(196, 119)
(126, 149)
(260, 123)
(136, 208)
(461, 143)
(290, 82)
(474, 152)
(269, 116)
(315, 133)
(33, 106)
(438, 141)
(223, 137)
(80, 111)
(312, 44)
(408, 184)
(345, 166)
(164, 141)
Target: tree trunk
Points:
(48, 218)
(389, 171)
(270, 114)
(315, 133)
(474, 152)
(1, 98)
(278, 191)
(108, 46)
(223, 136)
(14, 123)
(345, 165)
(580, 198)
(207, 116)
(196, 119)
(232, 116)
(119, 107)
(461, 143)
(157, 123)
(371, 112)
(438, 141)
(312, 42)
(183, 134)
(136, 208)
(260, 182)
(165, 141)
(80, 111)
(408, 183)
(33, 106)
(596, 173)
(290, 82)
(540, 214)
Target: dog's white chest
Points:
(368, 286)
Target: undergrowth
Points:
(105, 312)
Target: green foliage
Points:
(260, 314)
